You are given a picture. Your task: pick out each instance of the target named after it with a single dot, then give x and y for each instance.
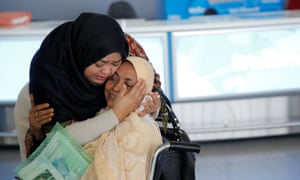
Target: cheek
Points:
(108, 87)
(88, 72)
(109, 104)
(87, 76)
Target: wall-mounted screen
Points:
(15, 57)
(155, 46)
(236, 63)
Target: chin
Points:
(98, 83)
(109, 104)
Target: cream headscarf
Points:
(143, 70)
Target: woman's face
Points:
(125, 75)
(98, 72)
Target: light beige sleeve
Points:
(90, 129)
(21, 111)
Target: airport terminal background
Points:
(218, 111)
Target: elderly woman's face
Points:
(98, 72)
(125, 75)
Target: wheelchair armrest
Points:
(183, 146)
(172, 145)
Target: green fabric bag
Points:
(59, 156)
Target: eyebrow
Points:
(107, 61)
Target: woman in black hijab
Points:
(58, 69)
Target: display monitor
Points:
(236, 63)
(15, 54)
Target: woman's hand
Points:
(38, 116)
(151, 105)
(128, 102)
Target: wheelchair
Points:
(175, 158)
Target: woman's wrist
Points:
(37, 133)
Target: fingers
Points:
(42, 108)
(127, 102)
(151, 105)
(142, 113)
(138, 91)
(44, 115)
(39, 115)
(156, 100)
(39, 118)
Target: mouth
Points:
(101, 78)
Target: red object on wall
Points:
(14, 18)
(293, 4)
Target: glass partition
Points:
(236, 63)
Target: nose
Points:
(117, 86)
(107, 70)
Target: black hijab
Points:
(56, 71)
